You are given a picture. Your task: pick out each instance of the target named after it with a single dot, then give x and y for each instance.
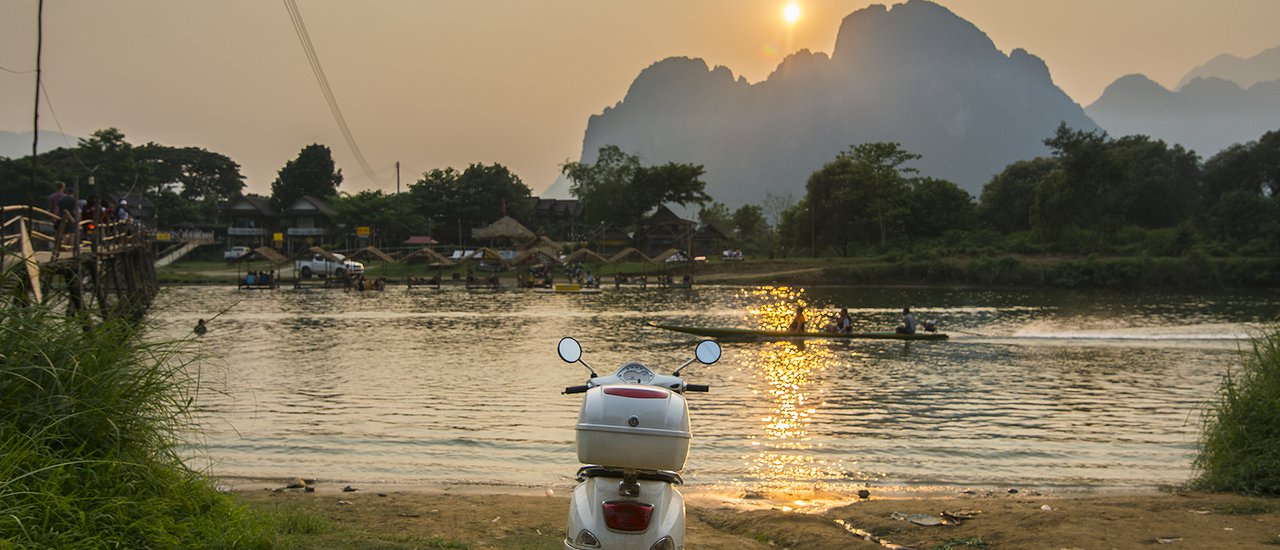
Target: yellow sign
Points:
(362, 231)
(278, 237)
(163, 236)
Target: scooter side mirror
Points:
(569, 349)
(708, 352)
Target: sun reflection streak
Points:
(790, 375)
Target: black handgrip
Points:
(577, 389)
(697, 387)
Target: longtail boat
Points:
(759, 334)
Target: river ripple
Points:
(1049, 390)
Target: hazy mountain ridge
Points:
(1263, 67)
(1205, 115)
(18, 144)
(915, 74)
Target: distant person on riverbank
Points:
(908, 322)
(798, 321)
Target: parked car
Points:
(235, 252)
(318, 264)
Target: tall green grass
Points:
(1240, 443)
(91, 420)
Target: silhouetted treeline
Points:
(1094, 195)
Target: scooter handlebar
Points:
(697, 387)
(576, 389)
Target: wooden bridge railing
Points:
(107, 261)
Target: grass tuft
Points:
(1240, 441)
(91, 421)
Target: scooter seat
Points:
(664, 476)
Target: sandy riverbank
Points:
(498, 518)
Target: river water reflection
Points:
(1049, 390)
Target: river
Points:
(1047, 390)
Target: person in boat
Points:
(843, 323)
(798, 321)
(908, 322)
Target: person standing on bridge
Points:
(55, 199)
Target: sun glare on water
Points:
(791, 13)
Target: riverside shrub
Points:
(1240, 442)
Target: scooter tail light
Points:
(664, 543)
(586, 539)
(627, 515)
(638, 393)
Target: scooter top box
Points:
(633, 426)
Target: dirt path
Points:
(404, 518)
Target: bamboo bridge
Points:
(95, 267)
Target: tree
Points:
(392, 218)
(860, 196)
(936, 206)
(463, 200)
(1159, 186)
(1006, 200)
(311, 174)
(1081, 191)
(616, 189)
(198, 179)
(716, 214)
(752, 229)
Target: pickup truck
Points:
(235, 252)
(318, 264)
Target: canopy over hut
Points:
(251, 279)
(535, 256)
(266, 253)
(486, 254)
(505, 228)
(487, 257)
(317, 250)
(544, 244)
(433, 259)
(628, 253)
(428, 255)
(372, 252)
(619, 279)
(585, 255)
(674, 258)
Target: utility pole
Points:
(397, 177)
(35, 134)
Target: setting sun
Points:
(791, 13)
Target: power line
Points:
(300, 27)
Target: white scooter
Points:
(633, 434)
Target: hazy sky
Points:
(436, 83)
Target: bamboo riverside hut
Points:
(666, 280)
(484, 255)
(251, 280)
(585, 255)
(433, 259)
(375, 253)
(618, 279)
(540, 264)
